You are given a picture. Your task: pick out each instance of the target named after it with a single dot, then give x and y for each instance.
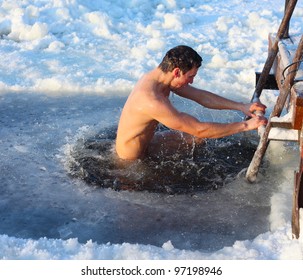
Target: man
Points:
(149, 104)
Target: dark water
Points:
(207, 167)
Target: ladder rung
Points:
(283, 134)
(283, 121)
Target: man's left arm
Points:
(214, 101)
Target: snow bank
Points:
(277, 244)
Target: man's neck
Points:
(163, 80)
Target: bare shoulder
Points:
(150, 97)
(143, 86)
(148, 88)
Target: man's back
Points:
(137, 126)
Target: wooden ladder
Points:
(289, 79)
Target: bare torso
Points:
(136, 126)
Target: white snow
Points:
(69, 47)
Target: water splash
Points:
(206, 167)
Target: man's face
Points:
(186, 78)
(189, 76)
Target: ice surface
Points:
(40, 199)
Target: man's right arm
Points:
(166, 114)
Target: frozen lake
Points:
(39, 197)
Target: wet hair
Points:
(182, 57)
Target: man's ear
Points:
(177, 72)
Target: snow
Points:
(64, 61)
(284, 134)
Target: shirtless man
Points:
(149, 104)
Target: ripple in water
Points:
(207, 167)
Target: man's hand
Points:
(249, 109)
(255, 122)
